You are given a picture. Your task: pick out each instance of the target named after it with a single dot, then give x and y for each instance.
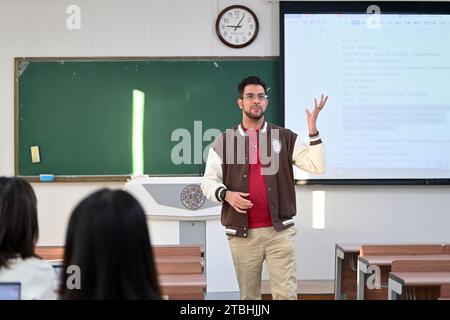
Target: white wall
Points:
(371, 214)
(186, 28)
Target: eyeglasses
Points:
(252, 96)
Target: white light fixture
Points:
(318, 210)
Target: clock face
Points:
(237, 26)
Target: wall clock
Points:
(237, 26)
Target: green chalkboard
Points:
(79, 112)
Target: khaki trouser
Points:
(278, 249)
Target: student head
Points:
(19, 229)
(108, 239)
(252, 100)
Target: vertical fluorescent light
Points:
(318, 208)
(138, 132)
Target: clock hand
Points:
(234, 26)
(239, 24)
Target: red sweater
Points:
(259, 214)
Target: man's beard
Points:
(252, 116)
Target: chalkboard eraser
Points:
(35, 157)
(46, 177)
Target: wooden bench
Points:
(180, 268)
(178, 250)
(420, 266)
(181, 271)
(382, 255)
(179, 265)
(179, 259)
(445, 292)
(418, 279)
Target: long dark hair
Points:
(108, 240)
(19, 230)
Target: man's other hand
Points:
(237, 201)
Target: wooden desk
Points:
(400, 249)
(345, 271)
(50, 252)
(166, 265)
(399, 281)
(384, 263)
(183, 286)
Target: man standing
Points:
(249, 170)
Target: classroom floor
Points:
(307, 290)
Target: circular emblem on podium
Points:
(192, 197)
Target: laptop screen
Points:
(9, 290)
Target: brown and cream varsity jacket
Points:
(227, 167)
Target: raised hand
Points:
(311, 116)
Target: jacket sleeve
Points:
(310, 158)
(212, 182)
